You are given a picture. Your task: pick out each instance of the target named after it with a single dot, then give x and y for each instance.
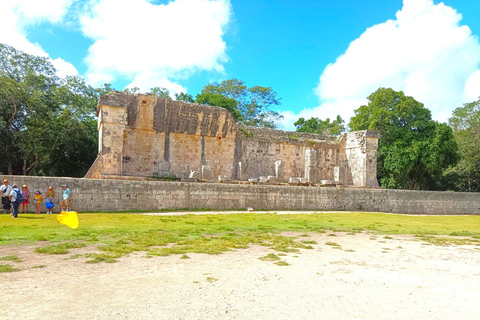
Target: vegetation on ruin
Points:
(319, 126)
(247, 133)
(110, 236)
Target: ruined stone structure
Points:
(145, 136)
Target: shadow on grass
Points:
(32, 218)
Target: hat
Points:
(5, 180)
(38, 192)
(24, 186)
(64, 185)
(14, 186)
(50, 187)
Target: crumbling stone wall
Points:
(145, 135)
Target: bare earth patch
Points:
(365, 277)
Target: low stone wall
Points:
(115, 195)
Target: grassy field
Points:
(118, 234)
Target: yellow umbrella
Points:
(69, 218)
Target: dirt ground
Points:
(365, 277)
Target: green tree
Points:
(184, 97)
(253, 104)
(318, 126)
(414, 151)
(47, 124)
(218, 100)
(465, 121)
(161, 92)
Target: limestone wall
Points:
(145, 135)
(288, 154)
(115, 195)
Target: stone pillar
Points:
(339, 174)
(361, 154)
(310, 165)
(280, 170)
(112, 122)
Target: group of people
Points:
(14, 199)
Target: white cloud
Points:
(150, 79)
(135, 39)
(17, 16)
(425, 52)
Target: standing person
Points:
(50, 200)
(15, 199)
(26, 198)
(5, 191)
(37, 199)
(67, 197)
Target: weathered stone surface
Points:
(272, 180)
(194, 175)
(115, 195)
(263, 179)
(328, 182)
(145, 135)
(295, 181)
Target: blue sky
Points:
(322, 57)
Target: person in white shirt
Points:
(5, 191)
(14, 199)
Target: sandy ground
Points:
(368, 277)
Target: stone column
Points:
(361, 154)
(310, 165)
(112, 122)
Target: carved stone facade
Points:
(145, 135)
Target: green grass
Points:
(332, 244)
(270, 257)
(119, 234)
(61, 248)
(7, 268)
(10, 258)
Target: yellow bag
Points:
(69, 218)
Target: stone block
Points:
(295, 181)
(273, 180)
(328, 182)
(263, 179)
(194, 175)
(207, 173)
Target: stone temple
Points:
(142, 136)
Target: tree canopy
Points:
(47, 124)
(318, 126)
(249, 106)
(465, 121)
(414, 151)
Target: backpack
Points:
(19, 196)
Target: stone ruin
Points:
(144, 136)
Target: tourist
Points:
(67, 197)
(15, 200)
(5, 191)
(50, 200)
(37, 199)
(26, 198)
